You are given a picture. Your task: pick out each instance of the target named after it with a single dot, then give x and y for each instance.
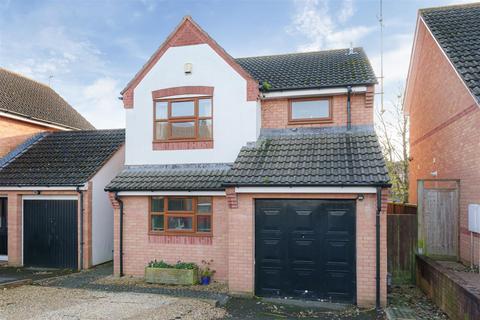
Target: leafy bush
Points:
(179, 265)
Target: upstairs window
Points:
(188, 119)
(311, 110)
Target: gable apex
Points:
(187, 33)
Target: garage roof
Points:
(66, 158)
(311, 157)
(173, 177)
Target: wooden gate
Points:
(438, 224)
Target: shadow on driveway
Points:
(8, 274)
(243, 308)
(237, 308)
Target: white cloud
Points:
(72, 65)
(396, 60)
(323, 29)
(346, 11)
(99, 103)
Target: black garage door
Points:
(50, 233)
(305, 248)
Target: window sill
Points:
(299, 122)
(182, 144)
(182, 234)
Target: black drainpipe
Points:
(80, 192)
(349, 107)
(377, 231)
(120, 203)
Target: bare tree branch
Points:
(392, 129)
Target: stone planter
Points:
(171, 276)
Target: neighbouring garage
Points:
(305, 248)
(50, 233)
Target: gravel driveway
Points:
(35, 302)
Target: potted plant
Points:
(181, 273)
(206, 272)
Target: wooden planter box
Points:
(171, 276)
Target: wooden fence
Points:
(401, 242)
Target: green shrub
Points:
(179, 265)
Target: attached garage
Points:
(305, 248)
(50, 235)
(59, 215)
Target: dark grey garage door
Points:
(305, 248)
(50, 233)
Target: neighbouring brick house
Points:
(442, 99)
(267, 165)
(52, 189)
(28, 107)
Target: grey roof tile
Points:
(170, 177)
(457, 30)
(309, 158)
(66, 158)
(30, 99)
(311, 69)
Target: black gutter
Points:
(120, 203)
(80, 192)
(377, 236)
(321, 87)
(385, 185)
(349, 108)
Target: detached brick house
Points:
(267, 165)
(442, 98)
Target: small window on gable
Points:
(187, 119)
(310, 110)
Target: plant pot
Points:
(171, 276)
(205, 280)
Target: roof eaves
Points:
(46, 122)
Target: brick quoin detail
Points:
(188, 33)
(176, 91)
(232, 198)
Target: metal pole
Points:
(380, 20)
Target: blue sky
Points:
(88, 50)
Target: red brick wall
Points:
(139, 247)
(15, 132)
(241, 244)
(232, 245)
(15, 228)
(275, 112)
(444, 129)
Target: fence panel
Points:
(401, 242)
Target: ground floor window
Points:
(180, 215)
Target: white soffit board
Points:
(305, 190)
(172, 193)
(50, 197)
(33, 188)
(40, 123)
(311, 92)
